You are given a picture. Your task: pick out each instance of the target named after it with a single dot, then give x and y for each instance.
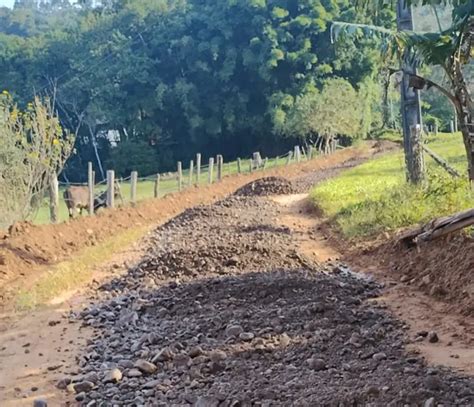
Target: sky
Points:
(8, 3)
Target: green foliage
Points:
(335, 110)
(191, 76)
(33, 148)
(131, 156)
(374, 197)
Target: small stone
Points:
(206, 402)
(433, 337)
(40, 403)
(134, 373)
(151, 384)
(429, 403)
(63, 383)
(426, 280)
(217, 355)
(145, 366)
(433, 383)
(81, 396)
(316, 364)
(195, 352)
(164, 355)
(233, 330)
(373, 391)
(404, 278)
(285, 340)
(83, 387)
(379, 356)
(246, 336)
(113, 376)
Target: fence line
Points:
(169, 182)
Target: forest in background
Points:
(144, 83)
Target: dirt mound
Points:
(260, 335)
(441, 269)
(247, 240)
(266, 186)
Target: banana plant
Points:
(450, 49)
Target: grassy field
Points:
(374, 196)
(145, 188)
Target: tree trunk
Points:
(410, 98)
(465, 114)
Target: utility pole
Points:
(410, 104)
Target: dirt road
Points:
(238, 303)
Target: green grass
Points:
(145, 188)
(374, 196)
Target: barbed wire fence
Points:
(113, 191)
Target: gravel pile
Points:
(266, 186)
(223, 312)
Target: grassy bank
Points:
(374, 196)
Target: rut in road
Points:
(224, 312)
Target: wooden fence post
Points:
(220, 164)
(290, 155)
(257, 160)
(54, 199)
(156, 189)
(191, 172)
(198, 168)
(90, 185)
(133, 187)
(110, 188)
(239, 166)
(297, 154)
(180, 176)
(211, 169)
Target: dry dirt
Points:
(231, 265)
